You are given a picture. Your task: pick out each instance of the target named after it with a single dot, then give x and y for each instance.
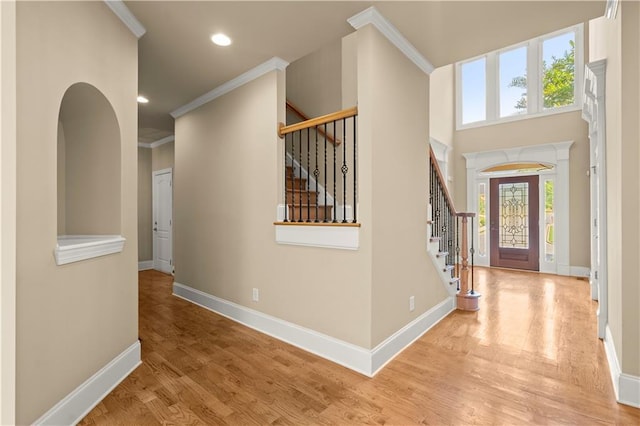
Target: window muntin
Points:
(539, 53)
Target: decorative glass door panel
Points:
(514, 222)
(514, 215)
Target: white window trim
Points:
(534, 72)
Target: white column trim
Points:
(593, 111)
(8, 164)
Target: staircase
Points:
(448, 272)
(302, 202)
(449, 241)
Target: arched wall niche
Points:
(89, 170)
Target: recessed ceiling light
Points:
(142, 100)
(221, 39)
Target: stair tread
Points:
(442, 254)
(300, 190)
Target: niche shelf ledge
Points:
(74, 248)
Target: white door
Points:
(163, 220)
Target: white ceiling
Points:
(178, 62)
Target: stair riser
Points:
(303, 214)
(302, 197)
(297, 183)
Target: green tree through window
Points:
(557, 81)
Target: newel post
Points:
(467, 299)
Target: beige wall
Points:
(313, 81)
(224, 213)
(618, 41)
(442, 104)
(350, 70)
(224, 209)
(393, 101)
(162, 157)
(145, 247)
(553, 128)
(72, 319)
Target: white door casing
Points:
(556, 154)
(593, 111)
(163, 220)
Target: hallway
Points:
(530, 355)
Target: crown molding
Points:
(372, 16)
(611, 9)
(272, 64)
(157, 143)
(122, 11)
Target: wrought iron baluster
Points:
(355, 174)
(300, 180)
(458, 246)
(335, 195)
(431, 200)
(324, 218)
(308, 186)
(286, 201)
(316, 172)
(344, 170)
(293, 177)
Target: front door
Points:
(513, 214)
(162, 221)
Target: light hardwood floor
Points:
(529, 356)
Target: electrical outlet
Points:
(412, 303)
(256, 295)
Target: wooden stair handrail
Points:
(434, 164)
(297, 111)
(334, 116)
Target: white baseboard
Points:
(361, 360)
(626, 386)
(580, 271)
(145, 265)
(80, 401)
(403, 338)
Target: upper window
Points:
(536, 77)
